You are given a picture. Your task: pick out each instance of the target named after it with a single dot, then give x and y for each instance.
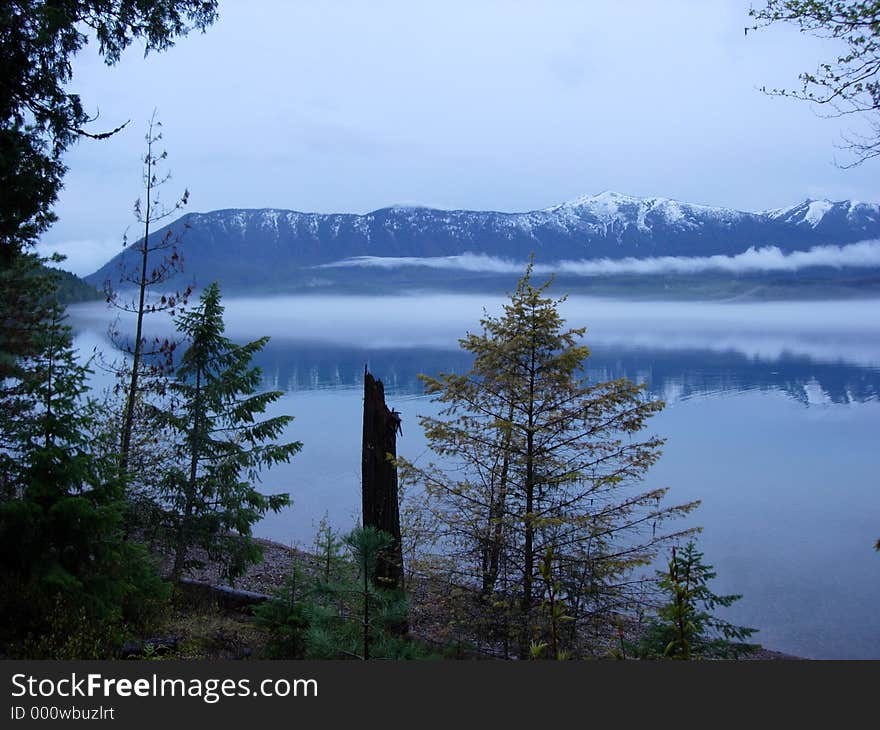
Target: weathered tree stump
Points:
(379, 478)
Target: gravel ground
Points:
(268, 575)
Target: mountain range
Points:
(283, 250)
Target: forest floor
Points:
(203, 629)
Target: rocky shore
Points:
(266, 577)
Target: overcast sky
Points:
(352, 106)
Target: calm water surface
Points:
(772, 420)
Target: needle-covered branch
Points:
(535, 460)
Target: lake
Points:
(772, 420)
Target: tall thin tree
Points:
(154, 261)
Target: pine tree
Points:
(66, 565)
(156, 261)
(328, 551)
(287, 616)
(353, 616)
(222, 447)
(41, 116)
(334, 609)
(535, 460)
(25, 289)
(367, 545)
(685, 627)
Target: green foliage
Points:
(209, 491)
(287, 617)
(553, 605)
(40, 117)
(352, 617)
(25, 287)
(70, 289)
(537, 460)
(685, 627)
(339, 614)
(66, 563)
(69, 579)
(850, 83)
(328, 551)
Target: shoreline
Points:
(268, 575)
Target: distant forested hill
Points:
(72, 289)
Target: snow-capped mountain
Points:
(614, 211)
(847, 214)
(247, 248)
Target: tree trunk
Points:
(379, 479)
(128, 418)
(528, 548)
(495, 528)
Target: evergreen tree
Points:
(156, 261)
(286, 618)
(353, 617)
(336, 610)
(40, 116)
(24, 289)
(66, 566)
(328, 551)
(367, 546)
(537, 460)
(685, 627)
(210, 492)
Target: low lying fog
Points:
(864, 254)
(845, 331)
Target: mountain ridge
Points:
(248, 248)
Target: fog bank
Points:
(865, 254)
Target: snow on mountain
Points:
(615, 209)
(816, 213)
(608, 215)
(810, 212)
(246, 246)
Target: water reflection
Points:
(669, 374)
(814, 352)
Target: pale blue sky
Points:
(352, 106)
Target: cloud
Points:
(865, 254)
(464, 262)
